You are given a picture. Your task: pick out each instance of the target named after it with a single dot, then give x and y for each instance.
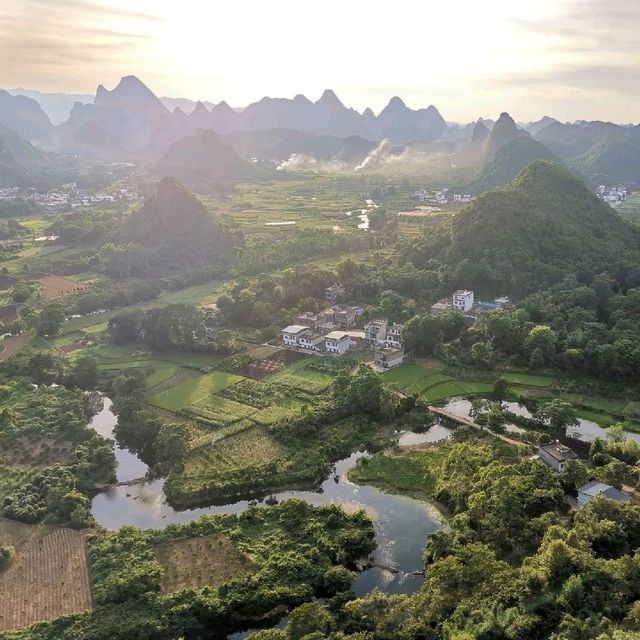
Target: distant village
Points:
(612, 194)
(341, 328)
(68, 197)
(442, 197)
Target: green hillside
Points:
(544, 225)
(508, 160)
(176, 230)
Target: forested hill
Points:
(544, 225)
(176, 230)
(203, 157)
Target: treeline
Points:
(589, 330)
(264, 255)
(173, 327)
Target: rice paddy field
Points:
(429, 384)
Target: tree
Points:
(84, 372)
(558, 414)
(6, 553)
(308, 618)
(574, 474)
(536, 360)
(171, 444)
(50, 319)
(44, 367)
(541, 338)
(483, 354)
(500, 388)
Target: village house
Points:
(463, 300)
(291, 335)
(341, 315)
(333, 293)
(388, 357)
(312, 342)
(595, 488)
(375, 332)
(337, 342)
(379, 333)
(556, 455)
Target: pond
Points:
(401, 524)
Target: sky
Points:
(571, 59)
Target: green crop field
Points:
(194, 390)
(528, 379)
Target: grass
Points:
(161, 373)
(528, 379)
(194, 390)
(414, 473)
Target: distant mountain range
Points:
(131, 122)
(57, 106)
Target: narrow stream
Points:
(586, 430)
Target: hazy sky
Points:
(567, 58)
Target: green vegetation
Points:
(194, 390)
(273, 558)
(50, 460)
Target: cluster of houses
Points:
(612, 194)
(68, 197)
(443, 196)
(556, 455)
(463, 300)
(339, 329)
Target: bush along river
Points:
(402, 524)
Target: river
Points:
(585, 430)
(401, 524)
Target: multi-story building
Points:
(375, 332)
(312, 342)
(379, 333)
(337, 342)
(333, 293)
(291, 335)
(463, 300)
(388, 357)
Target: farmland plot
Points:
(48, 578)
(194, 563)
(194, 390)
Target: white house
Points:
(595, 488)
(312, 342)
(337, 342)
(291, 335)
(375, 332)
(394, 335)
(463, 300)
(556, 455)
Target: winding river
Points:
(401, 524)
